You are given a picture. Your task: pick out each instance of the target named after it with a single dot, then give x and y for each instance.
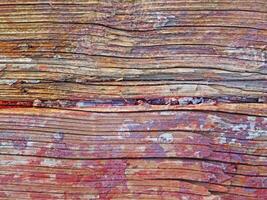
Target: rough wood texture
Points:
(124, 99)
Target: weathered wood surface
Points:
(133, 99)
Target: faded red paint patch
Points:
(64, 178)
(34, 176)
(3, 194)
(40, 196)
(106, 178)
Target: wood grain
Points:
(133, 99)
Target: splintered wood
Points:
(133, 99)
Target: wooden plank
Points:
(66, 50)
(133, 99)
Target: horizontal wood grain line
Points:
(248, 162)
(185, 163)
(142, 183)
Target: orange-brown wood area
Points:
(133, 99)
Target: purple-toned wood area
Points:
(133, 99)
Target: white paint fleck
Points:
(240, 127)
(163, 21)
(57, 56)
(197, 154)
(165, 113)
(80, 104)
(191, 137)
(8, 81)
(166, 138)
(252, 123)
(124, 131)
(185, 100)
(25, 59)
(32, 81)
(30, 144)
(233, 141)
(222, 139)
(50, 162)
(58, 136)
(141, 148)
(151, 139)
(6, 143)
(251, 118)
(37, 102)
(255, 134)
(219, 122)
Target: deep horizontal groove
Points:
(144, 82)
(132, 30)
(144, 69)
(118, 67)
(137, 58)
(140, 111)
(147, 83)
